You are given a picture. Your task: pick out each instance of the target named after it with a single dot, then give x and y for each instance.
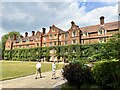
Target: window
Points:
(66, 35)
(73, 33)
(27, 46)
(105, 40)
(100, 40)
(105, 31)
(60, 37)
(55, 43)
(99, 32)
(44, 44)
(82, 41)
(53, 30)
(85, 34)
(66, 42)
(37, 44)
(59, 43)
(55, 36)
(50, 36)
(74, 42)
(20, 46)
(102, 32)
(50, 43)
(44, 38)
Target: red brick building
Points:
(56, 36)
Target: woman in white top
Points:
(53, 70)
(38, 69)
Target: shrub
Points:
(107, 73)
(76, 74)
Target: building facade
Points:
(56, 37)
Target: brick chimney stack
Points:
(72, 23)
(21, 36)
(33, 33)
(50, 27)
(14, 37)
(26, 34)
(102, 20)
(44, 29)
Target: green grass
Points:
(14, 69)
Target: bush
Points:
(107, 73)
(77, 74)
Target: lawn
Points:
(14, 69)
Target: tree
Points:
(5, 37)
(112, 48)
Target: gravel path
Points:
(31, 82)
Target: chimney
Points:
(43, 30)
(21, 36)
(102, 20)
(26, 34)
(14, 37)
(33, 33)
(72, 23)
(50, 27)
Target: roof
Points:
(95, 28)
(58, 29)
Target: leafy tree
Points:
(5, 37)
(112, 48)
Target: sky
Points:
(27, 16)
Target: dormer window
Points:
(73, 33)
(99, 32)
(85, 33)
(53, 30)
(103, 32)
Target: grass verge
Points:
(16, 69)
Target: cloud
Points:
(2, 32)
(83, 18)
(28, 16)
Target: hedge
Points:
(70, 52)
(107, 74)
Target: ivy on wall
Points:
(70, 52)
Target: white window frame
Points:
(65, 35)
(50, 36)
(75, 41)
(50, 43)
(73, 34)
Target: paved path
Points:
(31, 82)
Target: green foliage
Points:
(92, 52)
(77, 74)
(5, 37)
(107, 73)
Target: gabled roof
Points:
(95, 28)
(56, 28)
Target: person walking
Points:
(54, 70)
(38, 69)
